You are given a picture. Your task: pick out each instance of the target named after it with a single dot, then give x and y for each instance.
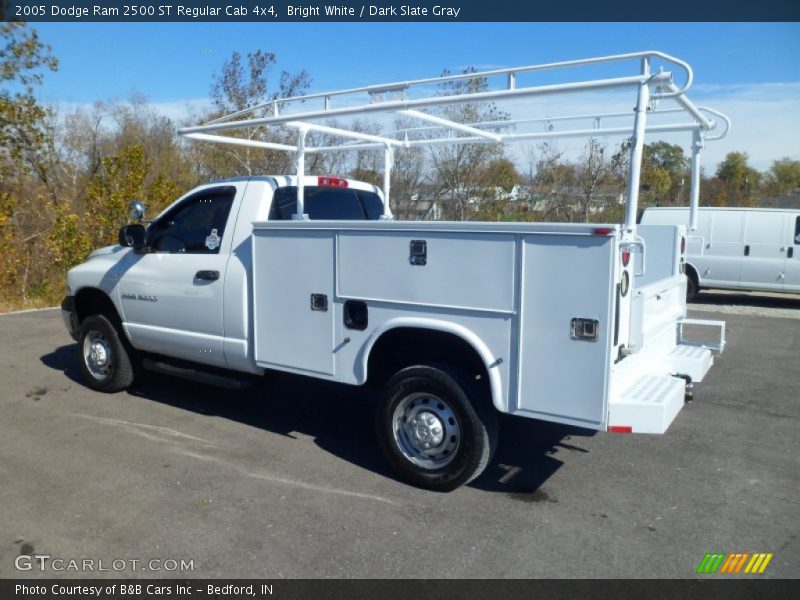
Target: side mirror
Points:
(136, 210)
(132, 236)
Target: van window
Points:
(325, 204)
(797, 231)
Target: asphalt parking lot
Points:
(287, 481)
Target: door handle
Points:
(207, 275)
(790, 252)
(747, 250)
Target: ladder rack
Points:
(409, 99)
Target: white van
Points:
(738, 248)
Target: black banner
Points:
(496, 589)
(274, 11)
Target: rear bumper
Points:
(69, 316)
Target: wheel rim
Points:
(97, 355)
(426, 430)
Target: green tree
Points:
(501, 173)
(120, 179)
(740, 179)
(24, 59)
(783, 176)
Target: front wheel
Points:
(105, 362)
(436, 427)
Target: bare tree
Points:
(459, 169)
(592, 171)
(240, 86)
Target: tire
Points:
(105, 360)
(450, 412)
(692, 289)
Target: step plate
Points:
(691, 360)
(649, 405)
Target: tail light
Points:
(626, 258)
(603, 231)
(620, 428)
(331, 182)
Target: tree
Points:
(740, 179)
(783, 176)
(23, 218)
(501, 174)
(240, 86)
(593, 170)
(23, 59)
(460, 169)
(555, 177)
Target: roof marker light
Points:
(603, 231)
(620, 428)
(331, 182)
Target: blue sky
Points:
(751, 68)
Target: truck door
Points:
(791, 280)
(171, 296)
(764, 255)
(723, 250)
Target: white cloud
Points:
(765, 117)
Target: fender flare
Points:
(476, 343)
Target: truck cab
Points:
(184, 292)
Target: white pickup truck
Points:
(456, 321)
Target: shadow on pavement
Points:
(340, 419)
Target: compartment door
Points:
(293, 297)
(566, 277)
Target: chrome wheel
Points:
(97, 355)
(426, 430)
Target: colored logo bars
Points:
(741, 562)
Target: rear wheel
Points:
(436, 427)
(105, 361)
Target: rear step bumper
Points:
(648, 406)
(654, 387)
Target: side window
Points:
(797, 231)
(196, 225)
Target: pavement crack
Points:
(286, 481)
(152, 432)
